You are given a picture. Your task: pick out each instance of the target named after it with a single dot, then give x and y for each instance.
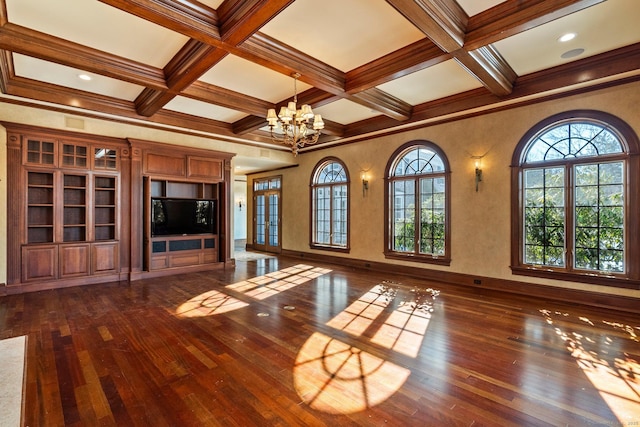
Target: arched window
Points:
(330, 206)
(417, 216)
(574, 211)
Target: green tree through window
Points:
(418, 218)
(574, 209)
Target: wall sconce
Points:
(478, 165)
(365, 183)
(240, 203)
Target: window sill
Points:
(330, 248)
(425, 259)
(603, 279)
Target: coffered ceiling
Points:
(214, 67)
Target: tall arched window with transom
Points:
(330, 206)
(417, 216)
(575, 210)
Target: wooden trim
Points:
(444, 259)
(324, 161)
(415, 57)
(629, 280)
(444, 21)
(486, 285)
(187, 17)
(513, 17)
(49, 48)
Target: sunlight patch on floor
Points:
(259, 288)
(208, 304)
(614, 373)
(335, 377)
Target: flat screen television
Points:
(182, 216)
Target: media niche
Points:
(174, 216)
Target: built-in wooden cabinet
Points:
(40, 212)
(188, 248)
(80, 208)
(170, 179)
(68, 191)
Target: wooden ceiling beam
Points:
(443, 21)
(242, 18)
(28, 42)
(227, 98)
(190, 18)
(388, 105)
(414, 57)
(193, 60)
(277, 56)
(488, 66)
(573, 75)
(238, 20)
(516, 16)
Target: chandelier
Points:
(295, 126)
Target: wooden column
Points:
(135, 208)
(15, 201)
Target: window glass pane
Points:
(418, 161)
(544, 216)
(339, 215)
(330, 205)
(599, 217)
(403, 233)
(575, 139)
(332, 172)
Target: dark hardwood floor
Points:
(281, 342)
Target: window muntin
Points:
(330, 205)
(418, 204)
(573, 139)
(572, 202)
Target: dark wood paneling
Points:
(200, 167)
(164, 165)
(15, 212)
(105, 257)
(39, 262)
(74, 260)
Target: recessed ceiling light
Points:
(572, 53)
(85, 77)
(567, 37)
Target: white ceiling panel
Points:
(49, 72)
(444, 79)
(344, 112)
(99, 26)
(197, 108)
(605, 26)
(343, 34)
(473, 7)
(240, 75)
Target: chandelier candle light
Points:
(297, 128)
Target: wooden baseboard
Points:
(488, 285)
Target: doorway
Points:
(267, 215)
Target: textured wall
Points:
(480, 221)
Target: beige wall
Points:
(480, 229)
(480, 221)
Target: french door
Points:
(267, 221)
